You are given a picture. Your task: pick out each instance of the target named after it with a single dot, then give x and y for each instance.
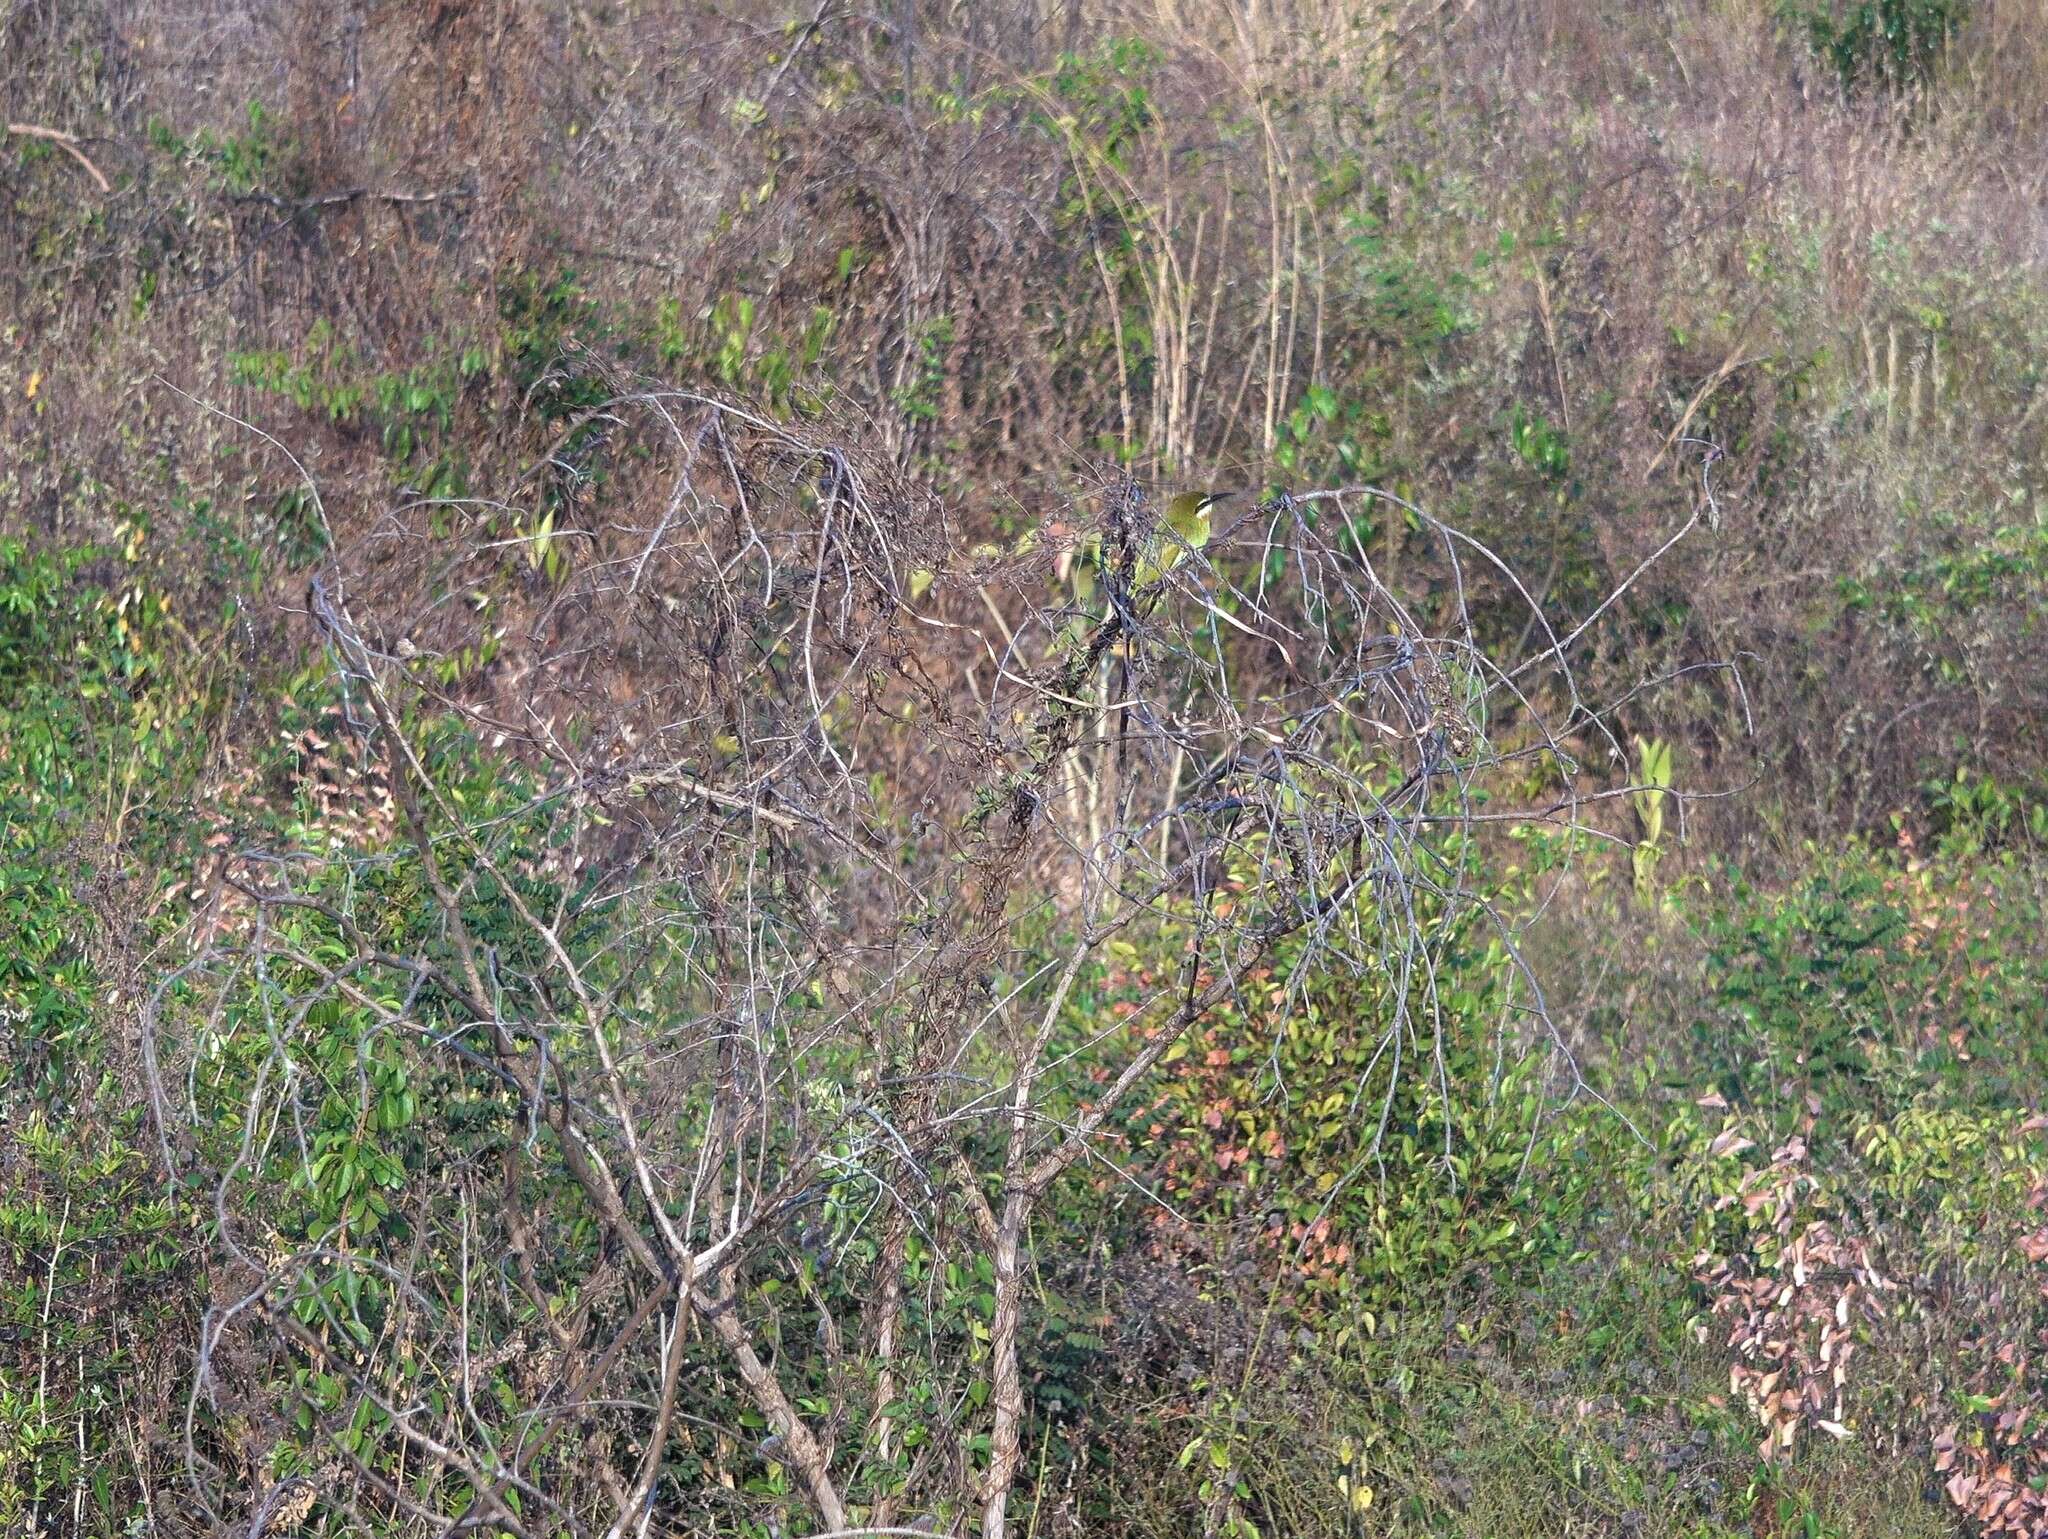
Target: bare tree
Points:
(620, 1106)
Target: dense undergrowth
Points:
(1739, 1226)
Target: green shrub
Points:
(1872, 984)
(1893, 43)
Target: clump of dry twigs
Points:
(752, 1005)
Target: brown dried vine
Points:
(754, 1001)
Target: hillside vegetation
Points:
(656, 880)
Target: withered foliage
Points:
(758, 996)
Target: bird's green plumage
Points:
(1182, 530)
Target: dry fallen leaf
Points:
(1729, 1142)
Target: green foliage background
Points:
(1339, 1273)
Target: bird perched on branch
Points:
(1181, 530)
